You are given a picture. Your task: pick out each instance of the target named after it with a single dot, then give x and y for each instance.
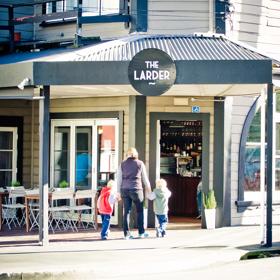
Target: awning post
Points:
(44, 164)
(270, 171)
(262, 168)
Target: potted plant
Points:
(63, 184)
(15, 183)
(210, 204)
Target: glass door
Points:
(83, 157)
(61, 154)
(107, 155)
(84, 153)
(72, 153)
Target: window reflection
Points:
(106, 154)
(83, 157)
(6, 140)
(61, 154)
(6, 158)
(252, 168)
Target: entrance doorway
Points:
(180, 152)
(189, 126)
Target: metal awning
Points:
(206, 66)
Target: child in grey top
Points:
(160, 196)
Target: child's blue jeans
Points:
(106, 219)
(162, 220)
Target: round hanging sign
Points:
(152, 72)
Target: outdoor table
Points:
(31, 195)
(34, 195)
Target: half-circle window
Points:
(249, 154)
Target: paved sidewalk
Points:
(181, 254)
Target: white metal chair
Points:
(34, 209)
(11, 207)
(84, 214)
(59, 215)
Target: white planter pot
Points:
(210, 217)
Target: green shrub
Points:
(63, 184)
(209, 201)
(15, 183)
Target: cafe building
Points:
(71, 114)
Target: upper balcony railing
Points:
(65, 11)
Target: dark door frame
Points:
(157, 116)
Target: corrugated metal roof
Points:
(179, 47)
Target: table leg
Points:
(27, 214)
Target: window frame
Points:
(14, 150)
(73, 124)
(241, 203)
(55, 7)
(242, 146)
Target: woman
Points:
(131, 173)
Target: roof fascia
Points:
(188, 72)
(224, 72)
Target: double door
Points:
(84, 153)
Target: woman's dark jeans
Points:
(137, 196)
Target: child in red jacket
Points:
(105, 205)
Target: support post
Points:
(270, 171)
(139, 15)
(79, 24)
(137, 131)
(137, 134)
(262, 168)
(222, 159)
(11, 28)
(44, 165)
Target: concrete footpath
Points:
(193, 253)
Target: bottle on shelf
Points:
(198, 160)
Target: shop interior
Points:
(181, 167)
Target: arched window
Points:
(249, 157)
(251, 181)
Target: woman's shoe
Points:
(129, 236)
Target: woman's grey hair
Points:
(132, 153)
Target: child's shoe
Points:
(143, 235)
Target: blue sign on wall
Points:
(195, 109)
